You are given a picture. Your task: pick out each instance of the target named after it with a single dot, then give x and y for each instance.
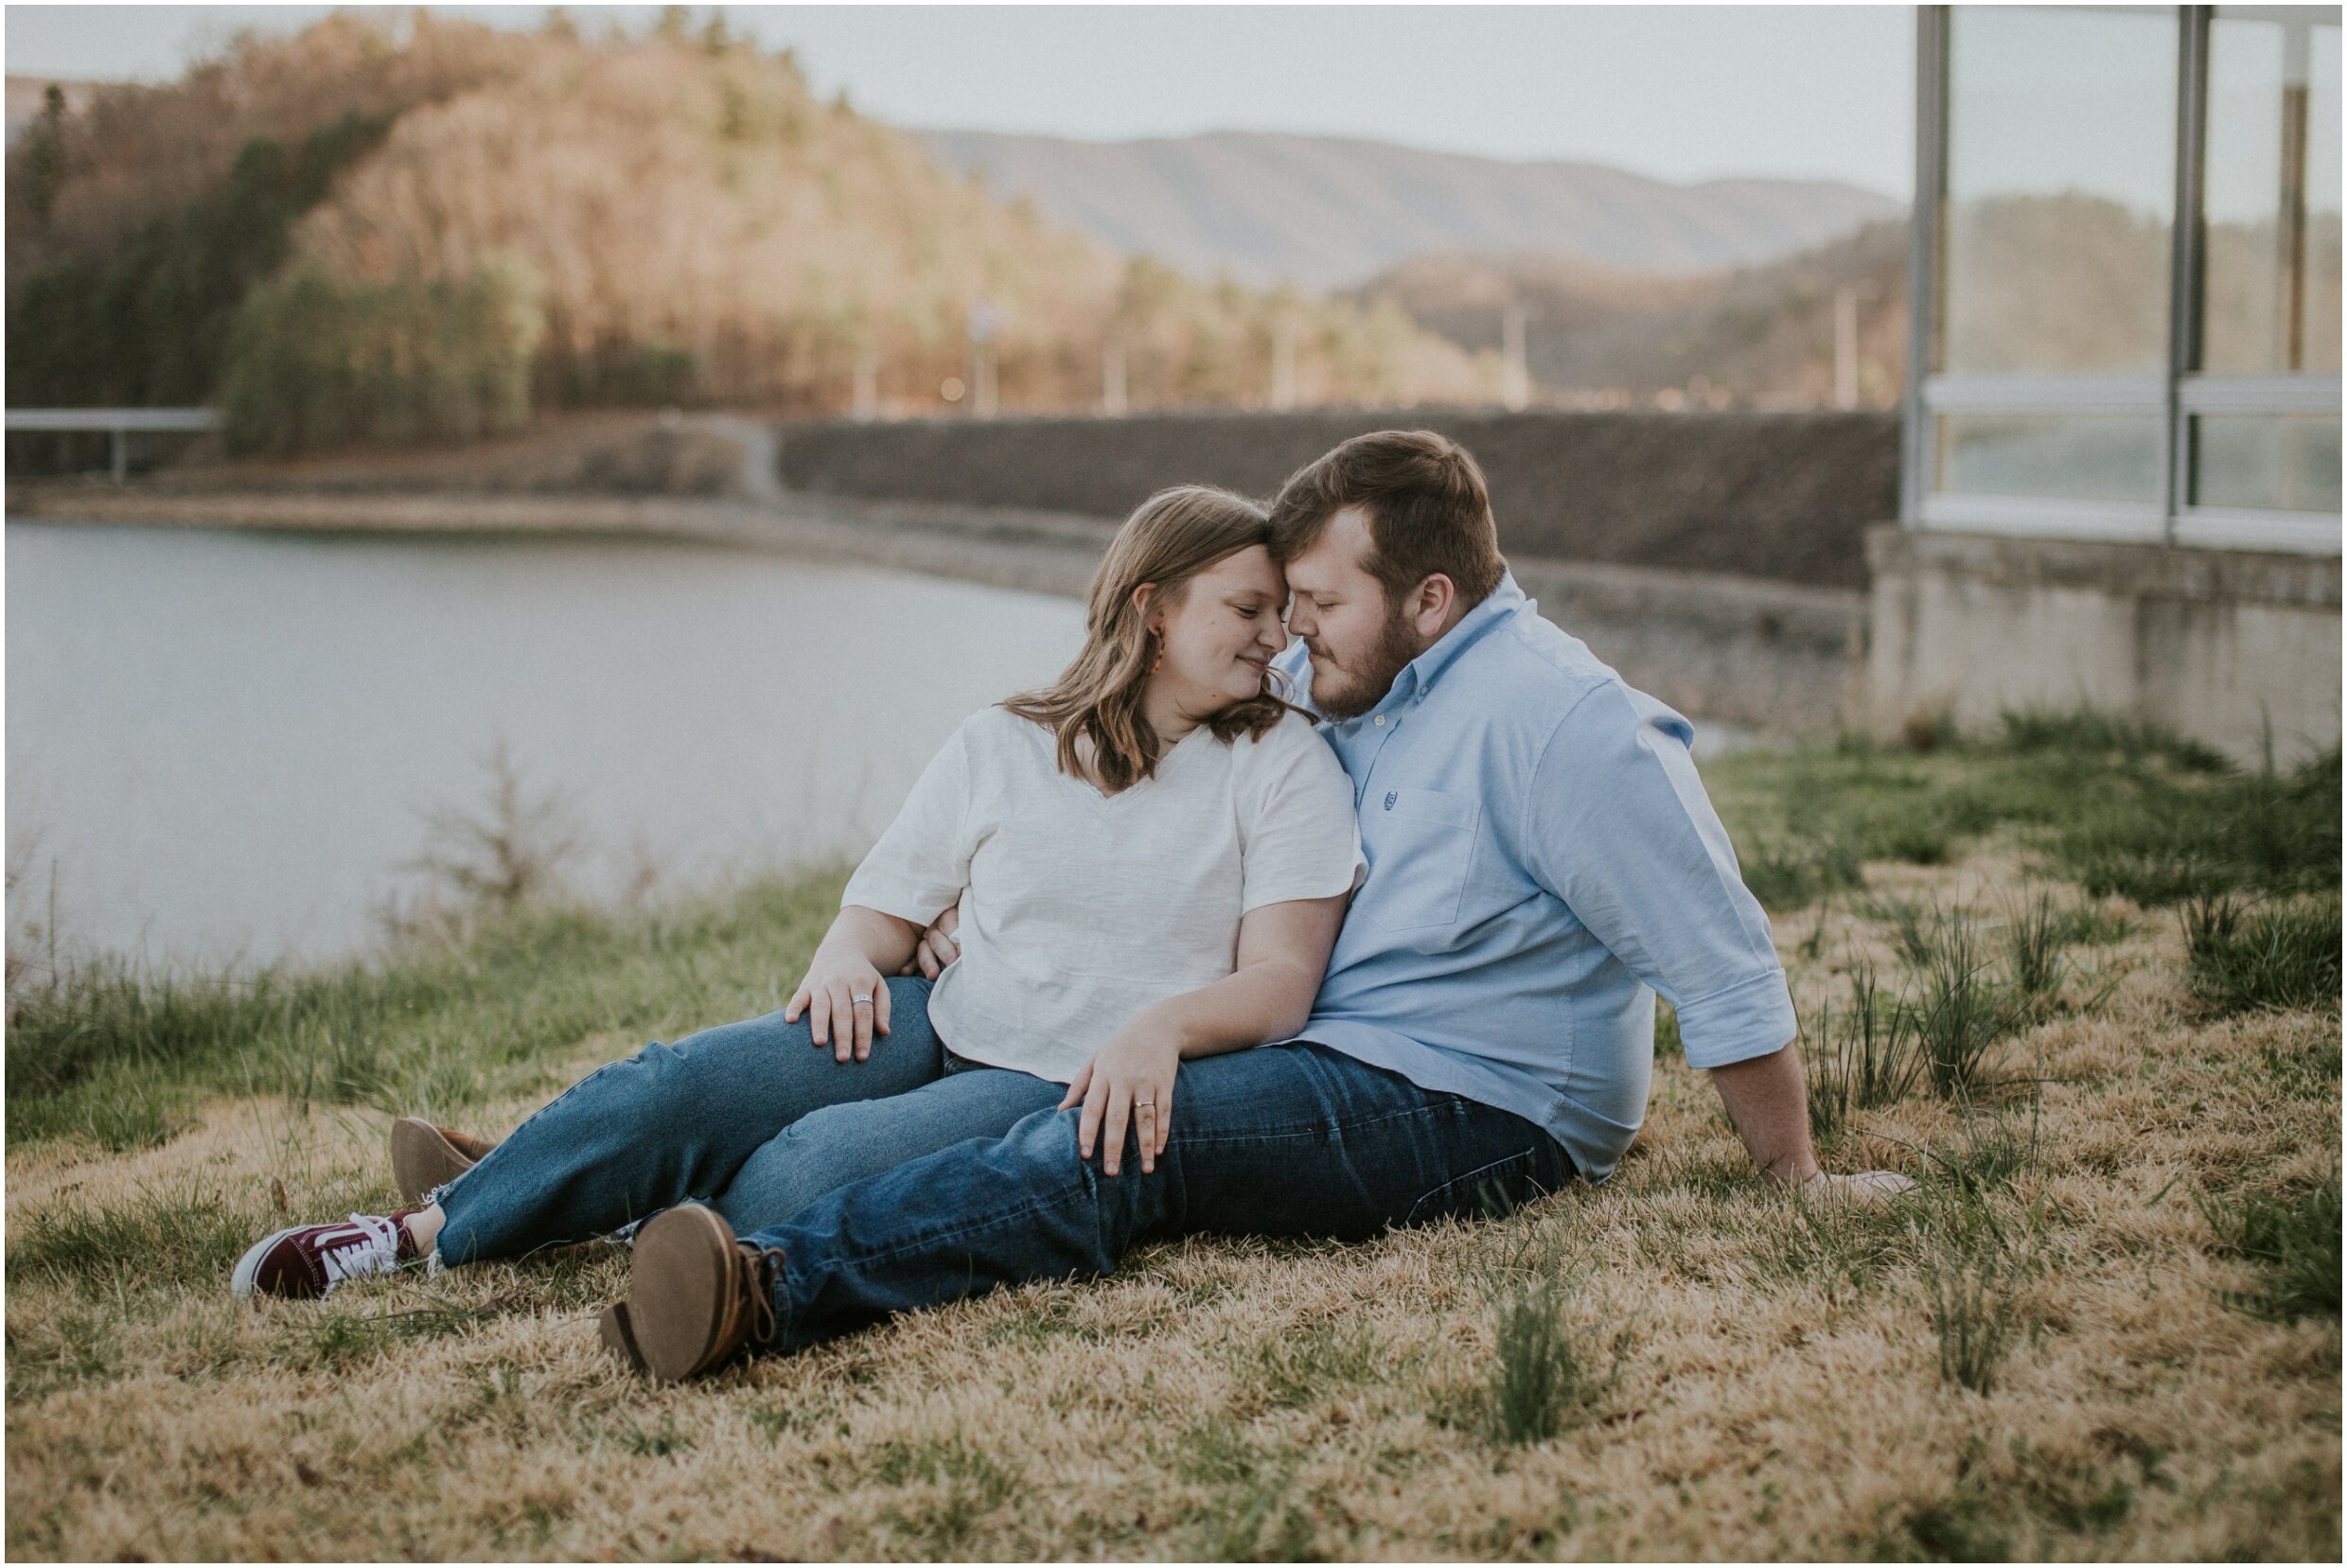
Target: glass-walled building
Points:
(2125, 279)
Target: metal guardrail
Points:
(118, 424)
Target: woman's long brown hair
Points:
(1169, 539)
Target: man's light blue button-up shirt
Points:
(1543, 860)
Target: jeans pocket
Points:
(1485, 1193)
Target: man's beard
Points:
(1366, 687)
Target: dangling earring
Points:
(1159, 662)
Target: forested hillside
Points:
(401, 228)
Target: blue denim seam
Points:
(1522, 1157)
(1317, 1129)
(782, 1281)
(434, 1195)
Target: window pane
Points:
(2270, 461)
(2072, 457)
(2061, 185)
(2271, 280)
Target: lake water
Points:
(228, 747)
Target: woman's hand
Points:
(1128, 1080)
(848, 998)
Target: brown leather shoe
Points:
(424, 1157)
(619, 1335)
(695, 1296)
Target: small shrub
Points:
(2243, 960)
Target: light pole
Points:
(1112, 377)
(1515, 376)
(984, 322)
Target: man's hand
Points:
(1768, 1100)
(1871, 1187)
(1128, 1080)
(937, 947)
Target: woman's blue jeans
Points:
(751, 1119)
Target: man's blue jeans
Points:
(752, 1119)
(1279, 1140)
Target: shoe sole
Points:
(619, 1335)
(676, 1286)
(421, 1159)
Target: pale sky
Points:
(1682, 92)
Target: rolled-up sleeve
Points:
(1617, 825)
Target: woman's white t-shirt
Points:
(1082, 909)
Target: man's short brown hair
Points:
(1428, 511)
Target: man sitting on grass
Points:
(1543, 859)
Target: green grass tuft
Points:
(1867, 1057)
(2161, 839)
(2034, 949)
(163, 1240)
(1960, 1017)
(2293, 1237)
(2091, 732)
(2245, 960)
(1975, 1319)
(1545, 1375)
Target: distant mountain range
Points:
(1327, 212)
(1760, 337)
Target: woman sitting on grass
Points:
(1152, 858)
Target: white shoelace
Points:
(377, 1251)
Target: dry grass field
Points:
(2081, 983)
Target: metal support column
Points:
(2189, 233)
(1923, 248)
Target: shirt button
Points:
(1381, 721)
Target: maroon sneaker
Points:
(309, 1261)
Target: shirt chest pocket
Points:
(1420, 843)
